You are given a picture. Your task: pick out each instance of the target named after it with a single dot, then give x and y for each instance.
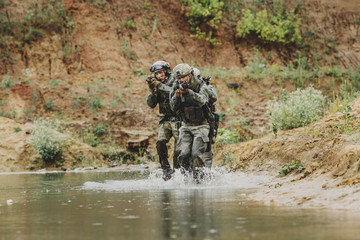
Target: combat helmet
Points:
(160, 65)
(182, 70)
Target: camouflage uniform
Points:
(194, 144)
(169, 124)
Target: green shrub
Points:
(47, 141)
(297, 109)
(54, 82)
(334, 72)
(355, 77)
(257, 68)
(33, 35)
(49, 105)
(6, 82)
(130, 24)
(99, 130)
(95, 103)
(280, 27)
(17, 129)
(204, 11)
(226, 136)
(289, 167)
(91, 139)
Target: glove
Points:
(153, 85)
(183, 90)
(178, 93)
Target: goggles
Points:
(156, 68)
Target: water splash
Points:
(214, 178)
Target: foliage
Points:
(99, 130)
(257, 68)
(49, 105)
(48, 16)
(355, 77)
(91, 139)
(54, 82)
(79, 102)
(97, 3)
(6, 81)
(297, 109)
(226, 136)
(130, 24)
(289, 167)
(204, 18)
(17, 129)
(338, 105)
(47, 141)
(279, 27)
(345, 126)
(299, 71)
(115, 155)
(334, 72)
(95, 103)
(30, 167)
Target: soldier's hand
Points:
(183, 90)
(178, 93)
(153, 84)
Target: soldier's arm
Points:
(175, 102)
(212, 93)
(152, 99)
(164, 89)
(199, 99)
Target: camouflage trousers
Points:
(194, 147)
(167, 130)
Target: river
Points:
(139, 205)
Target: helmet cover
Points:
(182, 70)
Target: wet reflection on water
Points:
(134, 205)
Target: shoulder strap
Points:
(198, 87)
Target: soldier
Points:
(188, 100)
(160, 84)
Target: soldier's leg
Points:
(175, 134)
(184, 147)
(163, 138)
(208, 156)
(199, 154)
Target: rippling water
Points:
(139, 205)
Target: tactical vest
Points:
(164, 106)
(192, 114)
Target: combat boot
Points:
(167, 174)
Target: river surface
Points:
(138, 205)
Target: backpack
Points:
(210, 113)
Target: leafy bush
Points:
(289, 167)
(47, 141)
(95, 103)
(99, 130)
(204, 11)
(334, 72)
(49, 105)
(355, 77)
(279, 27)
(297, 109)
(6, 82)
(226, 136)
(257, 69)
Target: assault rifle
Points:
(150, 78)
